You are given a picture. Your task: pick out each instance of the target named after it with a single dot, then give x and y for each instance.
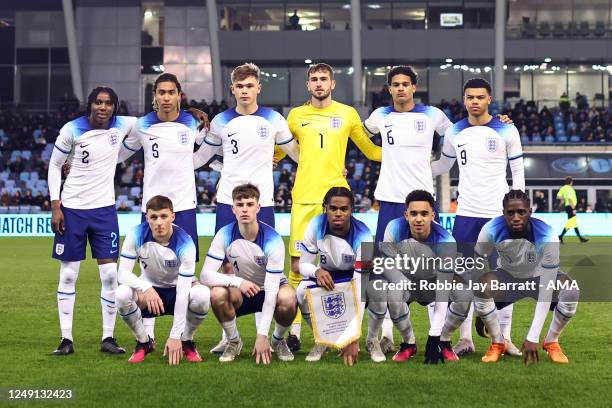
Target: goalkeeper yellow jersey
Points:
(323, 136)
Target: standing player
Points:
(529, 260)
(417, 235)
(86, 211)
(166, 255)
(322, 127)
(567, 198)
(336, 236)
(168, 135)
(257, 255)
(484, 146)
(246, 136)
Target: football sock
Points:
(400, 315)
(129, 311)
(231, 330)
(66, 293)
(565, 310)
(197, 310)
(504, 315)
(387, 327)
(465, 330)
(456, 314)
(376, 316)
(486, 310)
(108, 278)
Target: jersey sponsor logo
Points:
(419, 125)
(348, 258)
(491, 144)
(113, 138)
(260, 260)
(59, 249)
(171, 263)
(531, 257)
(334, 305)
(263, 131)
(335, 123)
(183, 137)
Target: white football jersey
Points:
(248, 142)
(160, 265)
(168, 152)
(522, 258)
(407, 139)
(250, 260)
(339, 256)
(92, 155)
(482, 153)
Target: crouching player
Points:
(257, 254)
(528, 266)
(167, 260)
(337, 237)
(416, 235)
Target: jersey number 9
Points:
(463, 155)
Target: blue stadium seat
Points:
(575, 139)
(121, 198)
(9, 184)
(130, 203)
(24, 176)
(525, 139)
(276, 176)
(33, 175)
(549, 139)
(203, 175)
(35, 209)
(287, 166)
(4, 175)
(135, 191)
(562, 139)
(13, 209)
(536, 139)
(3, 210)
(214, 177)
(24, 209)
(14, 154)
(26, 154)
(136, 209)
(359, 168)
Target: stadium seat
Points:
(3, 210)
(34, 175)
(35, 209)
(558, 29)
(359, 168)
(549, 139)
(121, 198)
(276, 176)
(600, 29)
(136, 209)
(562, 139)
(24, 176)
(287, 166)
(14, 154)
(214, 177)
(26, 154)
(536, 139)
(9, 184)
(13, 209)
(4, 175)
(130, 203)
(544, 29)
(574, 139)
(135, 191)
(583, 29)
(203, 175)
(24, 209)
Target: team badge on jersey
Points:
(113, 139)
(419, 125)
(59, 249)
(491, 144)
(263, 131)
(260, 260)
(334, 305)
(531, 257)
(171, 263)
(348, 258)
(335, 123)
(183, 137)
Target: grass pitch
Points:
(30, 331)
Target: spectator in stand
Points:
(17, 165)
(5, 199)
(123, 207)
(16, 198)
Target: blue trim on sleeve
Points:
(274, 271)
(282, 143)
(515, 157)
(58, 148)
(128, 256)
(187, 276)
(450, 157)
(215, 257)
(128, 147)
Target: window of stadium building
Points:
(152, 32)
(559, 18)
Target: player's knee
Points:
(286, 301)
(69, 272)
(397, 309)
(199, 299)
(123, 295)
(300, 292)
(108, 277)
(460, 308)
(377, 309)
(219, 296)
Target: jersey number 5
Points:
(154, 148)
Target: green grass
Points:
(30, 330)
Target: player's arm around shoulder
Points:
(361, 138)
